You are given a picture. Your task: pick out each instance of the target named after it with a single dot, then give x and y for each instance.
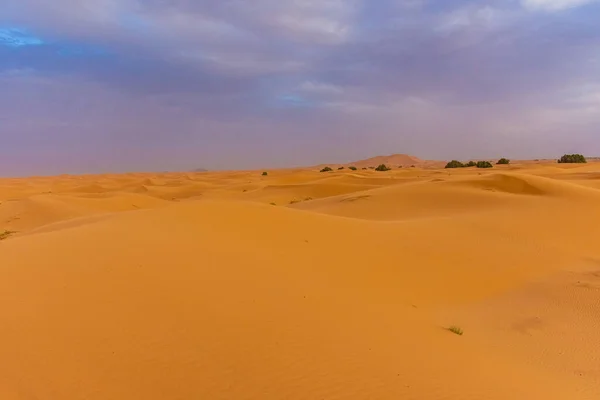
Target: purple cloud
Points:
(140, 84)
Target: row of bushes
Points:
(567, 158)
(478, 164)
(381, 167)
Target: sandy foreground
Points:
(303, 285)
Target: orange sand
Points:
(193, 286)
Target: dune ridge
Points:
(302, 285)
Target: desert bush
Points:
(352, 168)
(326, 169)
(455, 164)
(382, 167)
(5, 234)
(572, 159)
(364, 167)
(340, 168)
(484, 164)
(503, 161)
(371, 167)
(471, 164)
(456, 330)
(265, 173)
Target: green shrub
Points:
(572, 159)
(340, 168)
(382, 167)
(471, 164)
(503, 161)
(326, 169)
(371, 167)
(455, 164)
(265, 173)
(352, 168)
(484, 164)
(364, 167)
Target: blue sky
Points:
(118, 85)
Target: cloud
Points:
(320, 88)
(554, 5)
(298, 74)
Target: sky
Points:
(151, 85)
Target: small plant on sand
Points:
(340, 168)
(382, 167)
(5, 234)
(503, 161)
(371, 167)
(572, 159)
(326, 169)
(454, 164)
(456, 330)
(273, 204)
(364, 167)
(484, 164)
(471, 164)
(265, 173)
(352, 168)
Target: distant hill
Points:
(394, 160)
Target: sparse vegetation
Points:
(5, 234)
(456, 330)
(484, 164)
(326, 169)
(382, 167)
(364, 167)
(371, 167)
(340, 168)
(503, 161)
(299, 201)
(471, 164)
(273, 204)
(352, 168)
(454, 164)
(265, 173)
(572, 159)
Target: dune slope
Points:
(223, 296)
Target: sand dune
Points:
(197, 287)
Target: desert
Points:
(415, 283)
